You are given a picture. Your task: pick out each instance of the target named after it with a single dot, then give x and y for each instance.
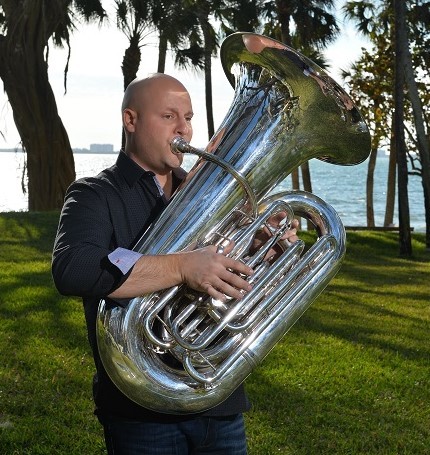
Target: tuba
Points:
(180, 351)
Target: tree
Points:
(371, 79)
(419, 121)
(373, 91)
(207, 22)
(132, 18)
(203, 11)
(380, 21)
(401, 44)
(303, 24)
(26, 27)
(138, 19)
(174, 22)
(307, 26)
(240, 15)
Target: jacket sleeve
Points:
(85, 238)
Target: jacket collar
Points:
(132, 172)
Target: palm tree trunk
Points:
(130, 67)
(391, 184)
(370, 213)
(295, 185)
(307, 186)
(162, 52)
(401, 43)
(208, 76)
(284, 10)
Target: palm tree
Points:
(401, 44)
(26, 27)
(241, 15)
(172, 21)
(203, 39)
(371, 78)
(302, 24)
(308, 26)
(133, 19)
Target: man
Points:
(101, 220)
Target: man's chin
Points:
(179, 159)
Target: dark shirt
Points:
(101, 214)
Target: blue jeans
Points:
(200, 436)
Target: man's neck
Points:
(166, 183)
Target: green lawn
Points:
(351, 377)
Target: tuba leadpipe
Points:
(180, 351)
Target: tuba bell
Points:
(180, 351)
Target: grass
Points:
(351, 377)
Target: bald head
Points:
(139, 89)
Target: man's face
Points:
(163, 110)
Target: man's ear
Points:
(129, 119)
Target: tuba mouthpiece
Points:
(180, 145)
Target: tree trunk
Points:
(130, 67)
(162, 52)
(295, 179)
(284, 8)
(391, 184)
(208, 96)
(131, 61)
(208, 77)
(307, 186)
(401, 44)
(370, 213)
(24, 71)
(295, 184)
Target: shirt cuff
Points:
(124, 259)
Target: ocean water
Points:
(344, 187)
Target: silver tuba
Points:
(180, 351)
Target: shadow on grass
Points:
(352, 374)
(377, 246)
(346, 379)
(299, 418)
(369, 309)
(23, 231)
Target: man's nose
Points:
(183, 127)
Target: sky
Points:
(90, 110)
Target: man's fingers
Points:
(222, 290)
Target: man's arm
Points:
(203, 270)
(80, 264)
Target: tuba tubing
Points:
(180, 351)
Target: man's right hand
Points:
(210, 271)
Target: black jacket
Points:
(99, 215)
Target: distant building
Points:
(101, 148)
